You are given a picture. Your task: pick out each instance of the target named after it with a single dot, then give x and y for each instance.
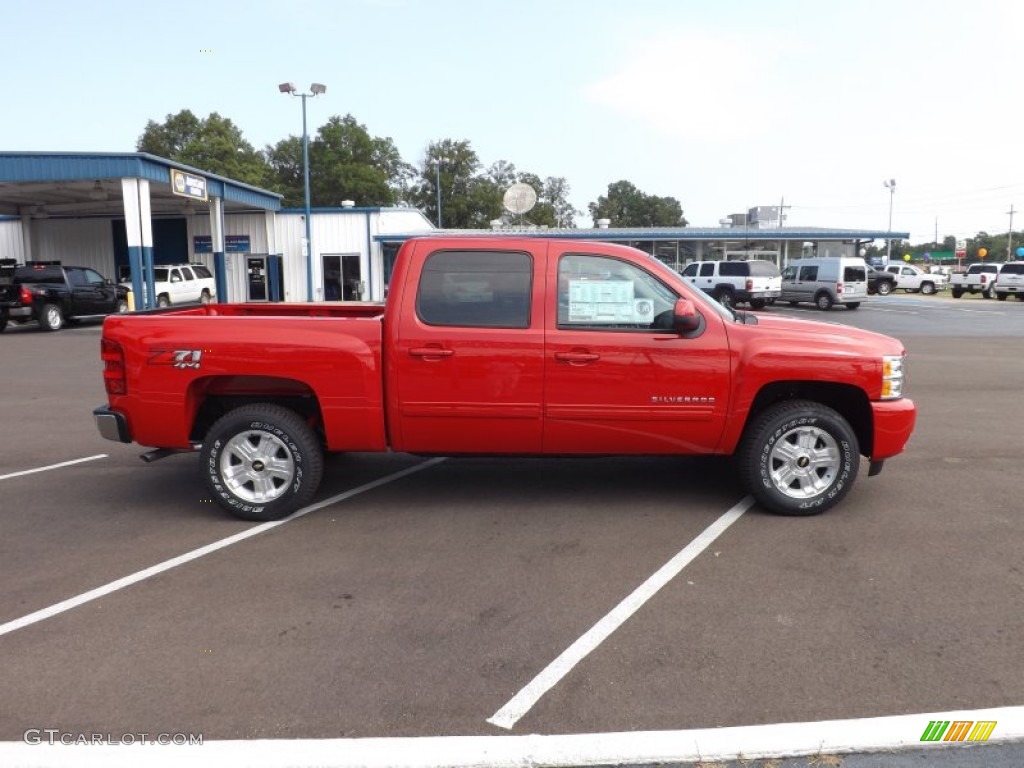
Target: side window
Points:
(809, 272)
(707, 269)
(691, 270)
(789, 273)
(187, 272)
(732, 269)
(201, 272)
(908, 271)
(77, 278)
(93, 277)
(600, 292)
(175, 276)
(476, 289)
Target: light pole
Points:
(316, 89)
(891, 186)
(439, 161)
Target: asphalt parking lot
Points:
(421, 606)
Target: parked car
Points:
(181, 284)
(914, 280)
(879, 282)
(492, 345)
(51, 294)
(755, 281)
(1010, 281)
(826, 281)
(979, 278)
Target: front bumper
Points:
(894, 422)
(111, 424)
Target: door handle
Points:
(431, 352)
(576, 357)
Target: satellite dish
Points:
(519, 198)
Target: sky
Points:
(721, 104)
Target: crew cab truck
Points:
(756, 282)
(915, 280)
(505, 346)
(53, 294)
(979, 278)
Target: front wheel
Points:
(799, 458)
(1001, 296)
(927, 288)
(725, 298)
(52, 317)
(852, 304)
(262, 462)
(884, 288)
(122, 306)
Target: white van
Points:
(825, 281)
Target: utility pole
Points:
(936, 233)
(782, 209)
(1009, 240)
(890, 184)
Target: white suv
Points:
(1010, 281)
(756, 281)
(181, 284)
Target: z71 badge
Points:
(176, 358)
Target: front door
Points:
(467, 375)
(619, 379)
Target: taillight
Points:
(750, 284)
(984, 277)
(26, 295)
(839, 289)
(113, 367)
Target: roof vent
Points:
(348, 203)
(603, 223)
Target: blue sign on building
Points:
(232, 244)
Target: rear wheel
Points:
(3, 323)
(989, 294)
(1001, 296)
(204, 297)
(163, 300)
(852, 304)
(799, 458)
(52, 317)
(724, 297)
(262, 462)
(757, 303)
(823, 301)
(957, 293)
(122, 306)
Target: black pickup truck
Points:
(52, 294)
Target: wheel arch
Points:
(211, 397)
(849, 401)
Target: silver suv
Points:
(1010, 281)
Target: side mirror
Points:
(685, 317)
(108, 281)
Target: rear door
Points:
(618, 378)
(468, 361)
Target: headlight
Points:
(892, 376)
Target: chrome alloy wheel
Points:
(804, 462)
(256, 466)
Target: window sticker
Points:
(607, 301)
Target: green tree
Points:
(345, 163)
(214, 144)
(468, 201)
(627, 206)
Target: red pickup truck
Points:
(505, 346)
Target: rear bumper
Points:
(112, 425)
(894, 423)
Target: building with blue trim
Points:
(118, 213)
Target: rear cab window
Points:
(476, 289)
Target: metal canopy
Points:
(70, 184)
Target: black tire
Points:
(793, 303)
(724, 297)
(122, 306)
(248, 439)
(51, 317)
(957, 293)
(3, 323)
(927, 288)
(1002, 296)
(884, 288)
(204, 297)
(163, 300)
(823, 301)
(988, 294)
(852, 304)
(758, 303)
(778, 453)
(770, 301)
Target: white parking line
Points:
(195, 554)
(53, 466)
(522, 702)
